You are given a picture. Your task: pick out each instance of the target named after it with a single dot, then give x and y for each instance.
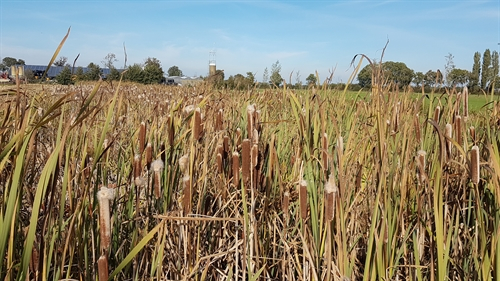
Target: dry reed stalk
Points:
(219, 120)
(396, 116)
(448, 132)
(331, 191)
(187, 195)
(236, 169)
(197, 129)
(149, 155)
(238, 137)
(474, 161)
(422, 177)
(104, 195)
(472, 132)
(437, 112)
(324, 152)
(157, 167)
(303, 199)
(458, 129)
(285, 206)
(250, 112)
(142, 137)
(246, 161)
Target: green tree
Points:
(153, 73)
(134, 73)
(93, 72)
(475, 73)
(276, 78)
(430, 78)
(494, 67)
(418, 79)
(61, 62)
(9, 61)
(397, 73)
(311, 79)
(486, 69)
(79, 74)
(64, 77)
(365, 76)
(174, 71)
(250, 79)
(458, 77)
(114, 74)
(265, 76)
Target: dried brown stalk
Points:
(474, 161)
(246, 161)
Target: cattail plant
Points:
(331, 191)
(138, 180)
(246, 161)
(437, 112)
(157, 167)
(422, 176)
(458, 129)
(472, 132)
(416, 124)
(236, 168)
(324, 152)
(474, 164)
(238, 137)
(466, 103)
(448, 134)
(149, 155)
(142, 137)
(197, 128)
(104, 195)
(285, 205)
(250, 127)
(186, 202)
(219, 120)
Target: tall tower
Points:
(211, 63)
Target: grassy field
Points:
(133, 182)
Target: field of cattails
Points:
(132, 182)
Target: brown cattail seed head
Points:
(286, 204)
(437, 112)
(474, 160)
(142, 137)
(303, 199)
(149, 155)
(218, 120)
(458, 129)
(255, 155)
(472, 132)
(197, 129)
(157, 167)
(250, 127)
(219, 163)
(421, 166)
(466, 102)
(187, 195)
(331, 191)
(236, 168)
(448, 131)
(137, 166)
(238, 137)
(104, 195)
(246, 159)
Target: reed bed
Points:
(128, 182)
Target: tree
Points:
(61, 62)
(365, 76)
(448, 68)
(418, 79)
(486, 69)
(311, 79)
(265, 76)
(79, 74)
(494, 67)
(430, 78)
(64, 77)
(9, 61)
(114, 74)
(275, 74)
(93, 72)
(475, 73)
(109, 61)
(458, 76)
(250, 79)
(174, 71)
(134, 73)
(398, 73)
(153, 73)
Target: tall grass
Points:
(247, 185)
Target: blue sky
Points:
(305, 36)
